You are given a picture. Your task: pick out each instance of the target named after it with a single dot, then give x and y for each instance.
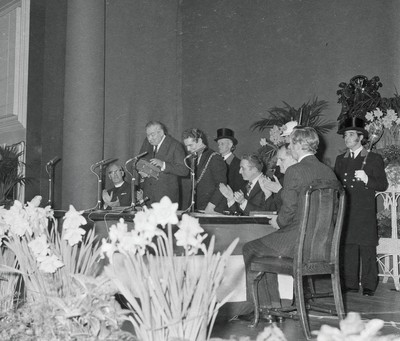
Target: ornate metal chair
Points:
(317, 252)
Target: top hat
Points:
(226, 133)
(353, 123)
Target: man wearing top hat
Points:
(226, 145)
(361, 173)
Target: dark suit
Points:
(235, 179)
(122, 193)
(283, 241)
(360, 234)
(255, 201)
(172, 153)
(210, 172)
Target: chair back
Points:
(321, 225)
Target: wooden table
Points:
(225, 228)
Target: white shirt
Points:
(357, 151)
(252, 184)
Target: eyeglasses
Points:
(114, 172)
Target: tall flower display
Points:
(63, 293)
(171, 289)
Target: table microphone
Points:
(53, 161)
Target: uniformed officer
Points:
(359, 236)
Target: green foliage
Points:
(309, 114)
(9, 171)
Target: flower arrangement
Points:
(353, 328)
(386, 121)
(172, 295)
(62, 297)
(285, 118)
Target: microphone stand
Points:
(133, 179)
(99, 185)
(50, 173)
(192, 168)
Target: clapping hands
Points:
(268, 186)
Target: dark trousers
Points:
(351, 257)
(268, 291)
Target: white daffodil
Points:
(50, 264)
(39, 246)
(165, 211)
(118, 231)
(73, 235)
(107, 249)
(73, 218)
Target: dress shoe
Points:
(350, 290)
(268, 317)
(368, 292)
(245, 317)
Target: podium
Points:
(388, 249)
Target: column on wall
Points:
(83, 131)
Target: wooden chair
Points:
(317, 251)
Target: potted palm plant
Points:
(10, 172)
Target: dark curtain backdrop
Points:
(212, 64)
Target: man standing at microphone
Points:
(166, 153)
(361, 174)
(210, 171)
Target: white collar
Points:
(305, 155)
(227, 156)
(357, 151)
(118, 185)
(159, 145)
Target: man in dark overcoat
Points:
(361, 174)
(226, 145)
(210, 170)
(166, 153)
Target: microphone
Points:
(102, 162)
(137, 157)
(53, 161)
(142, 202)
(195, 153)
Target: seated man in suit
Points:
(252, 197)
(303, 145)
(120, 194)
(285, 159)
(226, 145)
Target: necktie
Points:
(352, 155)
(248, 188)
(154, 151)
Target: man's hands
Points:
(226, 191)
(361, 175)
(239, 197)
(273, 221)
(269, 186)
(107, 200)
(157, 162)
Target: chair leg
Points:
(337, 294)
(254, 293)
(301, 307)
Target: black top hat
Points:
(226, 133)
(353, 123)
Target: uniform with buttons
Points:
(359, 226)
